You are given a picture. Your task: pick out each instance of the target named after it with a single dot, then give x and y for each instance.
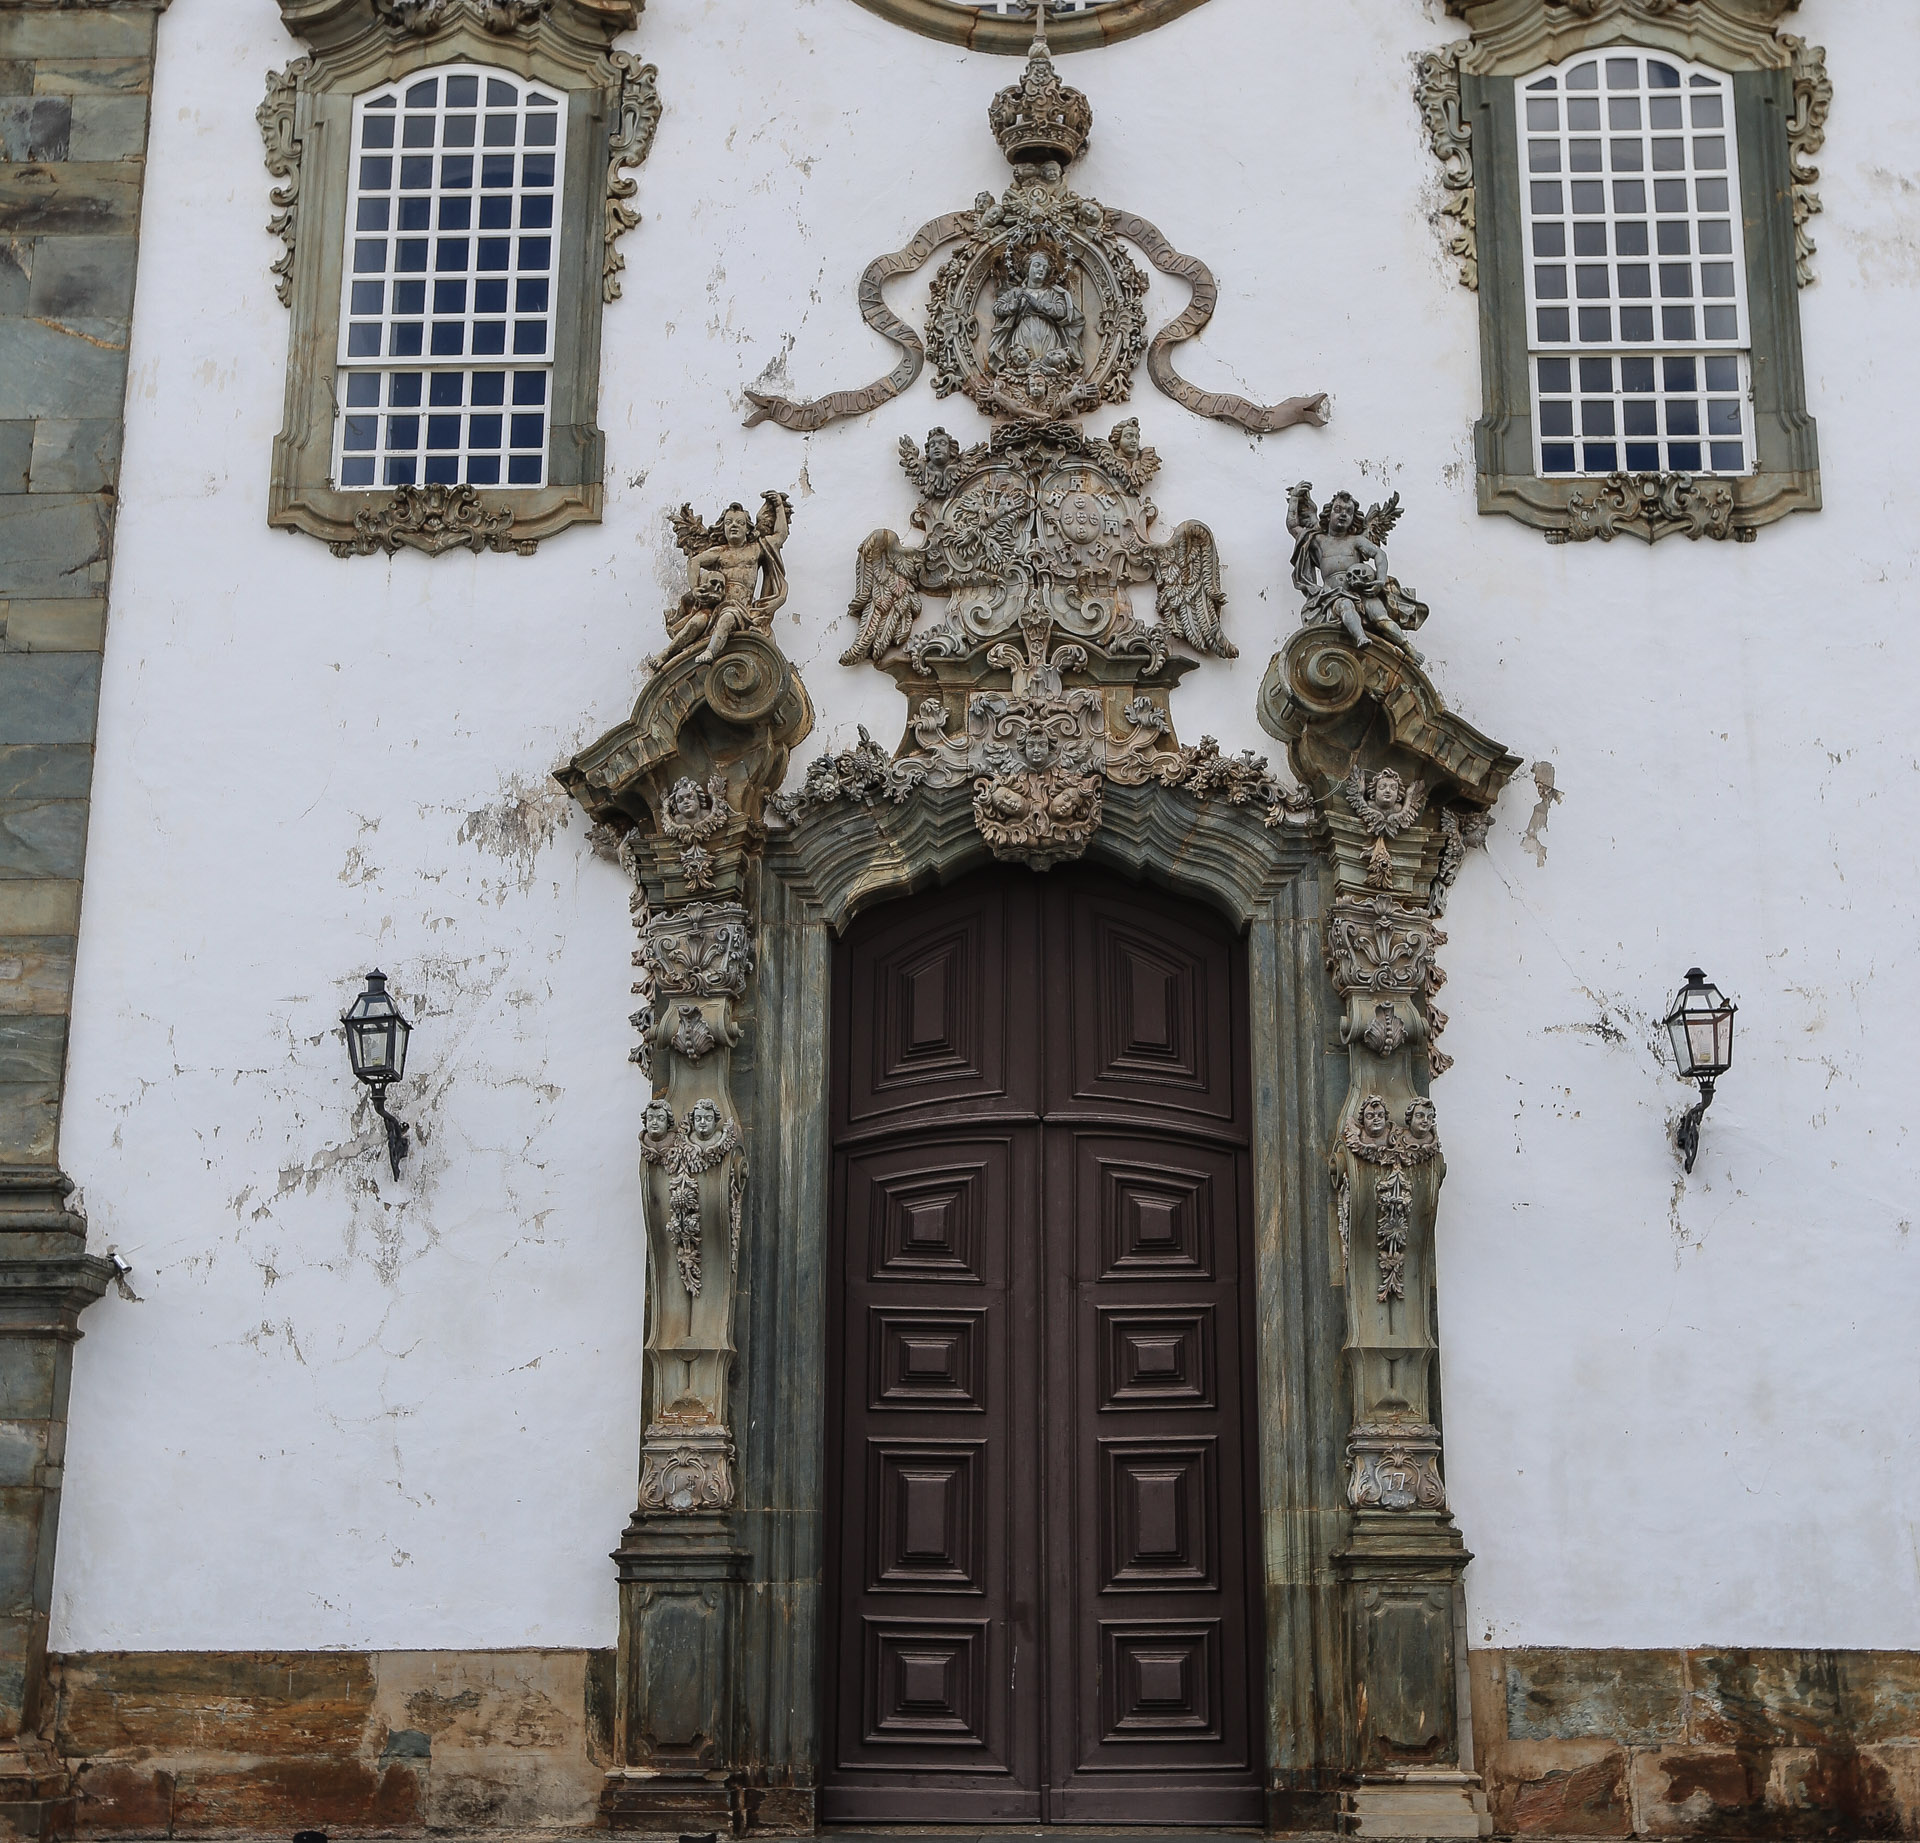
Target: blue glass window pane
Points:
(489, 338)
(377, 131)
(1596, 324)
(1723, 373)
(363, 340)
(1683, 457)
(1596, 416)
(484, 431)
(1554, 324)
(483, 470)
(1677, 322)
(1636, 323)
(1643, 457)
(489, 387)
(1636, 374)
(490, 297)
(457, 131)
(416, 213)
(424, 95)
(357, 472)
(528, 431)
(368, 297)
(372, 214)
(1723, 417)
(369, 255)
(523, 470)
(442, 469)
(1728, 457)
(1683, 417)
(1556, 458)
(417, 131)
(496, 213)
(1596, 374)
(529, 338)
(409, 297)
(536, 213)
(1556, 374)
(536, 252)
(456, 173)
(449, 338)
(500, 94)
(1680, 374)
(1661, 76)
(403, 431)
(462, 92)
(444, 388)
(1599, 457)
(363, 389)
(416, 173)
(410, 255)
(403, 389)
(492, 253)
(443, 431)
(496, 170)
(540, 133)
(452, 253)
(449, 297)
(1639, 418)
(403, 339)
(536, 170)
(1556, 418)
(456, 213)
(376, 175)
(362, 432)
(531, 297)
(530, 387)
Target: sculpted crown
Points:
(1041, 118)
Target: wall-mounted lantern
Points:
(377, 1046)
(1701, 1026)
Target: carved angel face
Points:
(941, 447)
(1422, 1121)
(1373, 1118)
(1036, 749)
(704, 1121)
(1388, 788)
(736, 525)
(1343, 514)
(684, 800)
(1126, 439)
(657, 1121)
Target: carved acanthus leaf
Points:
(276, 116)
(1437, 89)
(432, 519)
(1395, 1466)
(701, 949)
(634, 117)
(1806, 135)
(1652, 506)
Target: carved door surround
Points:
(719, 1717)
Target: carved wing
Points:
(1355, 790)
(1186, 580)
(1394, 821)
(692, 533)
(1382, 519)
(912, 464)
(886, 596)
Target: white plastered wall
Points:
(350, 1412)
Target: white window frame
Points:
(1664, 385)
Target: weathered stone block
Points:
(49, 543)
(23, 1448)
(35, 128)
(20, 1526)
(124, 1798)
(1558, 1788)
(92, 32)
(109, 127)
(84, 279)
(36, 974)
(32, 1049)
(29, 1378)
(44, 838)
(39, 908)
(45, 771)
(16, 274)
(1879, 1695)
(16, 76)
(74, 457)
(1829, 1793)
(77, 626)
(1635, 1698)
(1764, 1699)
(47, 697)
(319, 1794)
(84, 76)
(70, 200)
(29, 1121)
(1696, 1792)
(16, 456)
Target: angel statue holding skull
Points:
(1340, 566)
(737, 582)
(1037, 329)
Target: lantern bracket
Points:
(1687, 1134)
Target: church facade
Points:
(855, 884)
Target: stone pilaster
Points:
(1405, 787)
(75, 83)
(677, 793)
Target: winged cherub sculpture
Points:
(736, 580)
(1340, 566)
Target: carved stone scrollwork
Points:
(276, 117)
(634, 118)
(1437, 90)
(1806, 135)
(1395, 1466)
(1040, 312)
(431, 519)
(1652, 506)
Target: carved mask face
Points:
(657, 1121)
(704, 1120)
(1373, 1117)
(941, 447)
(1388, 788)
(1035, 749)
(1422, 1121)
(737, 526)
(1343, 514)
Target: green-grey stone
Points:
(20, 1511)
(29, 1126)
(74, 457)
(48, 697)
(69, 373)
(16, 274)
(108, 127)
(51, 544)
(92, 76)
(76, 32)
(29, 1379)
(73, 200)
(43, 771)
(23, 1445)
(42, 838)
(36, 128)
(32, 1049)
(85, 279)
(16, 455)
(16, 77)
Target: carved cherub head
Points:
(684, 799)
(704, 1121)
(1388, 788)
(1375, 1122)
(1422, 1121)
(657, 1121)
(736, 523)
(1342, 515)
(941, 448)
(1126, 439)
(1036, 749)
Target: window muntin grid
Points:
(447, 308)
(1636, 269)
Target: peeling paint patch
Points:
(1534, 839)
(517, 827)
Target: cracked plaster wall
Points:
(350, 1412)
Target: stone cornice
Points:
(1512, 36)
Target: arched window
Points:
(1007, 25)
(447, 315)
(1636, 274)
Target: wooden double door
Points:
(1043, 1598)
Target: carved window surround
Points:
(981, 30)
(1781, 98)
(307, 123)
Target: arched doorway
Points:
(1043, 1596)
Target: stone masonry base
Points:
(1571, 1744)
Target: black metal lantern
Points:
(1701, 1026)
(377, 1047)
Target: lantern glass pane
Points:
(400, 1030)
(1682, 1054)
(1703, 1041)
(373, 1047)
(1723, 1035)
